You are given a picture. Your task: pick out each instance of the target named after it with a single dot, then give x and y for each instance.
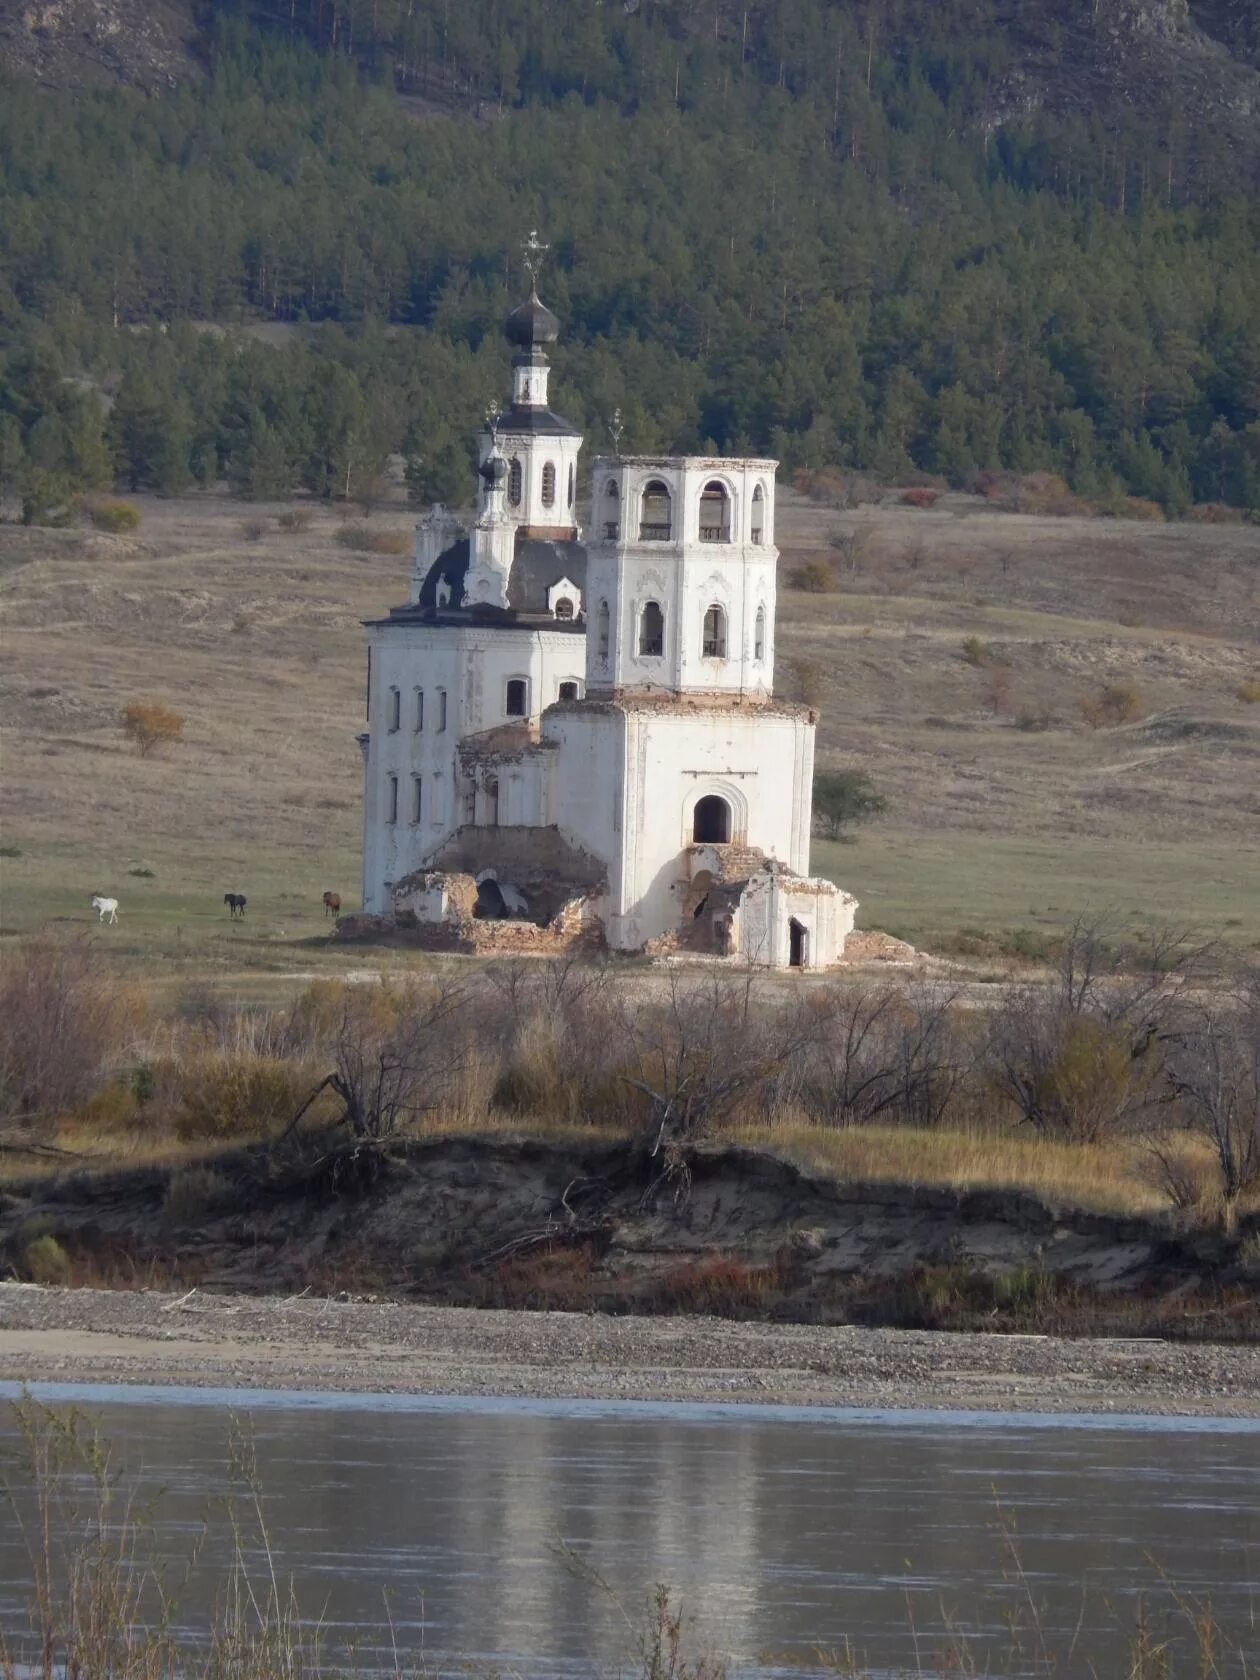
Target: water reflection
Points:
(785, 1533)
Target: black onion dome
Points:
(532, 324)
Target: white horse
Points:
(106, 908)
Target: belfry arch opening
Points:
(758, 530)
(715, 513)
(657, 524)
(711, 821)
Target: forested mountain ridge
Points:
(898, 237)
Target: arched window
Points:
(759, 636)
(391, 794)
(441, 723)
(395, 710)
(711, 822)
(564, 609)
(651, 631)
(419, 710)
(549, 485)
(612, 511)
(518, 698)
(657, 524)
(758, 532)
(416, 806)
(572, 484)
(492, 801)
(516, 482)
(602, 630)
(714, 640)
(569, 691)
(715, 513)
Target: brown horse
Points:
(332, 905)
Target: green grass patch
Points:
(932, 889)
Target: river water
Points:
(440, 1526)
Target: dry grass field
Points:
(951, 659)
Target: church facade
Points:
(576, 741)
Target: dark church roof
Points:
(540, 563)
(531, 324)
(539, 422)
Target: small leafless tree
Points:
(396, 1055)
(705, 1050)
(884, 1053)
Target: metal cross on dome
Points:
(535, 253)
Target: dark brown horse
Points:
(235, 903)
(332, 905)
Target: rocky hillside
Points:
(150, 44)
(1191, 63)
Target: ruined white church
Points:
(574, 740)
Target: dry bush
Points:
(802, 680)
(397, 1054)
(1213, 1072)
(236, 1096)
(999, 691)
(295, 519)
(1113, 704)
(1248, 691)
(44, 1261)
(1214, 513)
(550, 1280)
(1082, 1058)
(361, 539)
(63, 1018)
(866, 1054)
(814, 577)
(719, 1286)
(253, 530)
(149, 724)
(1047, 494)
(1136, 508)
(116, 517)
(920, 497)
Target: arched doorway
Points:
(798, 936)
(712, 821)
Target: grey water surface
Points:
(438, 1527)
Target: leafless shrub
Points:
(62, 1017)
(1082, 1058)
(709, 1047)
(397, 1054)
(1213, 1071)
(884, 1053)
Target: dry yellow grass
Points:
(1106, 1179)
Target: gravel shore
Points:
(202, 1340)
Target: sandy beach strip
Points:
(387, 1347)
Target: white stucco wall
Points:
(626, 785)
(686, 575)
(472, 666)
